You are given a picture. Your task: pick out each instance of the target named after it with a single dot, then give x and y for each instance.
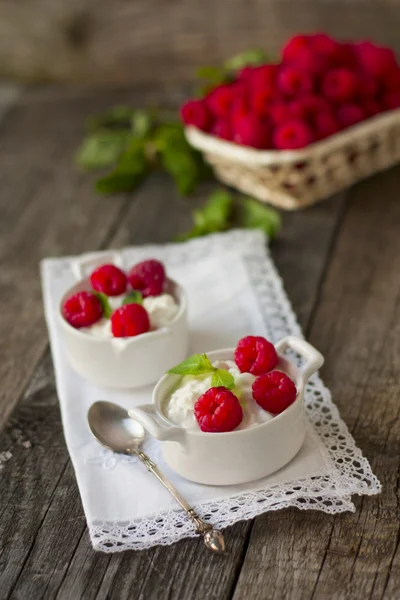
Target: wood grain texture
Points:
(356, 327)
(48, 568)
(47, 208)
(142, 40)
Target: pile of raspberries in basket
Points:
(320, 86)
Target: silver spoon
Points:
(112, 426)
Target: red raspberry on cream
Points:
(129, 320)
(147, 277)
(255, 355)
(109, 279)
(218, 410)
(274, 391)
(82, 310)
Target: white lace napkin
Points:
(234, 290)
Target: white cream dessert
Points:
(179, 408)
(161, 309)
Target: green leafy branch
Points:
(127, 144)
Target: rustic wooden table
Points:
(340, 262)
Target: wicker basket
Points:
(295, 179)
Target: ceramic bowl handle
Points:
(80, 265)
(147, 416)
(314, 359)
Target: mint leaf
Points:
(255, 215)
(118, 116)
(198, 364)
(105, 305)
(134, 297)
(224, 378)
(141, 123)
(129, 172)
(178, 158)
(212, 217)
(102, 149)
(245, 59)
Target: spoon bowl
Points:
(112, 426)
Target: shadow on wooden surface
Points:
(339, 263)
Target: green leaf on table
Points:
(255, 215)
(141, 122)
(222, 377)
(105, 304)
(102, 148)
(178, 158)
(198, 364)
(214, 216)
(118, 116)
(246, 59)
(134, 297)
(129, 171)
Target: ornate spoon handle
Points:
(213, 538)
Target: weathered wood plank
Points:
(54, 556)
(356, 327)
(145, 41)
(46, 208)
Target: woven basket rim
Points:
(209, 143)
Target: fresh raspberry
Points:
(300, 53)
(261, 100)
(218, 410)
(147, 277)
(280, 112)
(196, 113)
(256, 355)
(129, 320)
(293, 81)
(219, 100)
(306, 108)
(293, 135)
(340, 84)
(325, 125)
(347, 56)
(393, 81)
(376, 60)
(350, 114)
(109, 279)
(222, 129)
(250, 130)
(326, 46)
(295, 46)
(82, 310)
(274, 391)
(391, 100)
(368, 87)
(371, 107)
(263, 77)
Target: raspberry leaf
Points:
(116, 117)
(255, 215)
(250, 58)
(105, 305)
(134, 297)
(198, 364)
(129, 172)
(102, 148)
(222, 377)
(213, 217)
(141, 123)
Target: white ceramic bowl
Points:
(124, 362)
(237, 456)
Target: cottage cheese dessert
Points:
(122, 305)
(180, 407)
(230, 395)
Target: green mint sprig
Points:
(134, 297)
(105, 304)
(200, 364)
